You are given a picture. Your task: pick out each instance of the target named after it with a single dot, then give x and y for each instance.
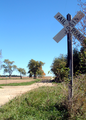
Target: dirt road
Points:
(9, 92)
(14, 81)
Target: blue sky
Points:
(27, 28)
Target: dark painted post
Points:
(70, 59)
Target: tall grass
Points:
(78, 109)
(44, 103)
(79, 98)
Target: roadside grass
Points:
(44, 103)
(78, 111)
(48, 103)
(20, 84)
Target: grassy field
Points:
(21, 84)
(48, 103)
(23, 78)
(14, 78)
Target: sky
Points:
(27, 28)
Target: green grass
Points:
(44, 103)
(20, 84)
(3, 78)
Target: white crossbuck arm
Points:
(69, 26)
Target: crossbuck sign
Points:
(69, 26)
(69, 29)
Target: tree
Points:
(40, 72)
(82, 23)
(30, 73)
(34, 67)
(81, 26)
(83, 60)
(8, 67)
(59, 68)
(22, 72)
(79, 58)
(79, 61)
(76, 61)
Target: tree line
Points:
(35, 68)
(59, 66)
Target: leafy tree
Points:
(59, 65)
(30, 73)
(79, 58)
(82, 23)
(83, 59)
(81, 26)
(76, 61)
(34, 67)
(79, 61)
(59, 68)
(22, 72)
(8, 67)
(40, 72)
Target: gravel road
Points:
(9, 92)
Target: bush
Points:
(59, 68)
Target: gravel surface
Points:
(9, 92)
(14, 81)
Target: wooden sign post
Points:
(70, 59)
(69, 29)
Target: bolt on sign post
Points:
(68, 30)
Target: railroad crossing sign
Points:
(69, 29)
(69, 26)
